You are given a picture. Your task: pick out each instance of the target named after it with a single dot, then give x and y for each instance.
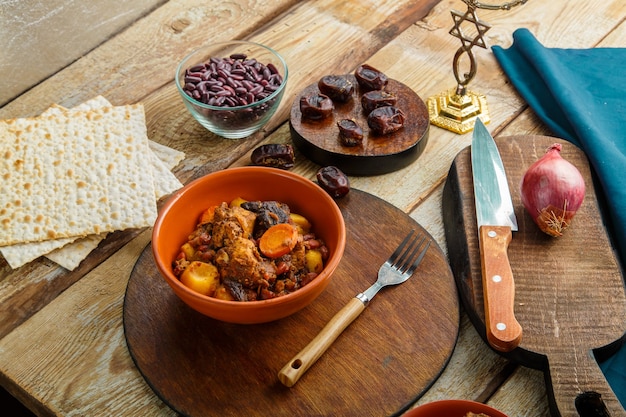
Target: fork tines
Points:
(404, 257)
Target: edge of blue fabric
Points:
(581, 96)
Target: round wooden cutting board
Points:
(380, 365)
(378, 154)
(569, 291)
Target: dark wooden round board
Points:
(380, 365)
(569, 291)
(378, 154)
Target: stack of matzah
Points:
(70, 176)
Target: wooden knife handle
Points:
(503, 331)
(291, 373)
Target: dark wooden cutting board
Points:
(570, 295)
(379, 366)
(378, 154)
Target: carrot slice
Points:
(278, 240)
(207, 215)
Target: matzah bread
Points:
(170, 157)
(22, 253)
(70, 256)
(69, 252)
(74, 175)
(162, 158)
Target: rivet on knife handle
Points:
(503, 330)
(291, 373)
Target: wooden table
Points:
(62, 348)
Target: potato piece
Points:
(314, 262)
(237, 202)
(223, 294)
(189, 251)
(201, 277)
(302, 223)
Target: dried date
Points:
(333, 181)
(377, 98)
(337, 87)
(276, 155)
(385, 120)
(369, 78)
(269, 213)
(316, 106)
(350, 133)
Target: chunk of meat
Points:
(230, 223)
(240, 261)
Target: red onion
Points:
(552, 190)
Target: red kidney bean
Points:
(273, 68)
(192, 79)
(197, 68)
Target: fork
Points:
(398, 268)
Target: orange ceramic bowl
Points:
(452, 408)
(179, 215)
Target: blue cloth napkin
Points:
(581, 95)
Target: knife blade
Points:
(496, 222)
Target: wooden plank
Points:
(26, 60)
(470, 370)
(525, 385)
(79, 356)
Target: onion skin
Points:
(552, 190)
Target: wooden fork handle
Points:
(291, 373)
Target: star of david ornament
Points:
(457, 109)
(457, 30)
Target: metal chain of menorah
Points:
(457, 109)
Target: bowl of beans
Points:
(232, 88)
(249, 244)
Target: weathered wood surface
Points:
(82, 327)
(40, 38)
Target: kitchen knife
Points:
(496, 221)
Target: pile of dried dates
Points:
(383, 116)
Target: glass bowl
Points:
(229, 95)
